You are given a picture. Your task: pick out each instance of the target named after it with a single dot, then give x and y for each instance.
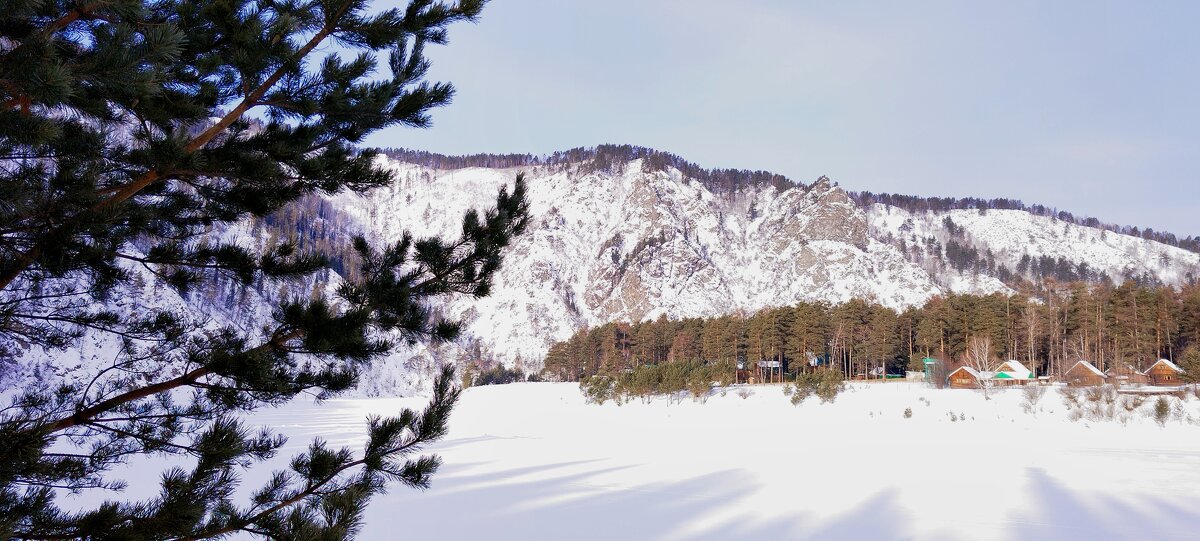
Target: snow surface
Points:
(534, 461)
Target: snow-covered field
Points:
(533, 461)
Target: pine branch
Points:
(85, 415)
(28, 257)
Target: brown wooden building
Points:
(1084, 374)
(964, 377)
(1126, 374)
(1165, 373)
(1012, 372)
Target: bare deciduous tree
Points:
(978, 356)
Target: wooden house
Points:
(1012, 372)
(1126, 374)
(965, 377)
(771, 371)
(1164, 373)
(1084, 374)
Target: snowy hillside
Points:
(636, 244)
(1011, 235)
(638, 239)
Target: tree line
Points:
(1107, 324)
(602, 158)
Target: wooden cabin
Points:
(1126, 374)
(965, 377)
(763, 371)
(1165, 373)
(1012, 372)
(771, 371)
(1084, 374)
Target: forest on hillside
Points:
(1107, 324)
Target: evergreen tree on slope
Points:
(128, 130)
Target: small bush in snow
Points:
(1094, 394)
(745, 393)
(1070, 396)
(908, 413)
(1131, 403)
(826, 384)
(1100, 411)
(700, 387)
(1031, 395)
(498, 375)
(1162, 411)
(598, 389)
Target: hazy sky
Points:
(1090, 106)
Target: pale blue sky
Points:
(1086, 105)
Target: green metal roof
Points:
(1003, 375)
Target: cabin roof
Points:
(1016, 369)
(1124, 367)
(973, 372)
(1166, 362)
(1088, 366)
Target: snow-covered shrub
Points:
(1132, 403)
(1103, 393)
(1070, 396)
(1031, 395)
(1100, 410)
(908, 413)
(745, 393)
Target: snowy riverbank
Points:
(533, 461)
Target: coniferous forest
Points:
(1110, 325)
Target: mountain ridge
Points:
(610, 152)
(640, 239)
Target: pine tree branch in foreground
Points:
(131, 131)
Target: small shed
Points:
(1126, 374)
(1165, 373)
(965, 377)
(1084, 374)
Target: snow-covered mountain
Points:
(638, 239)
(635, 242)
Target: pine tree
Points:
(129, 129)
(1189, 362)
